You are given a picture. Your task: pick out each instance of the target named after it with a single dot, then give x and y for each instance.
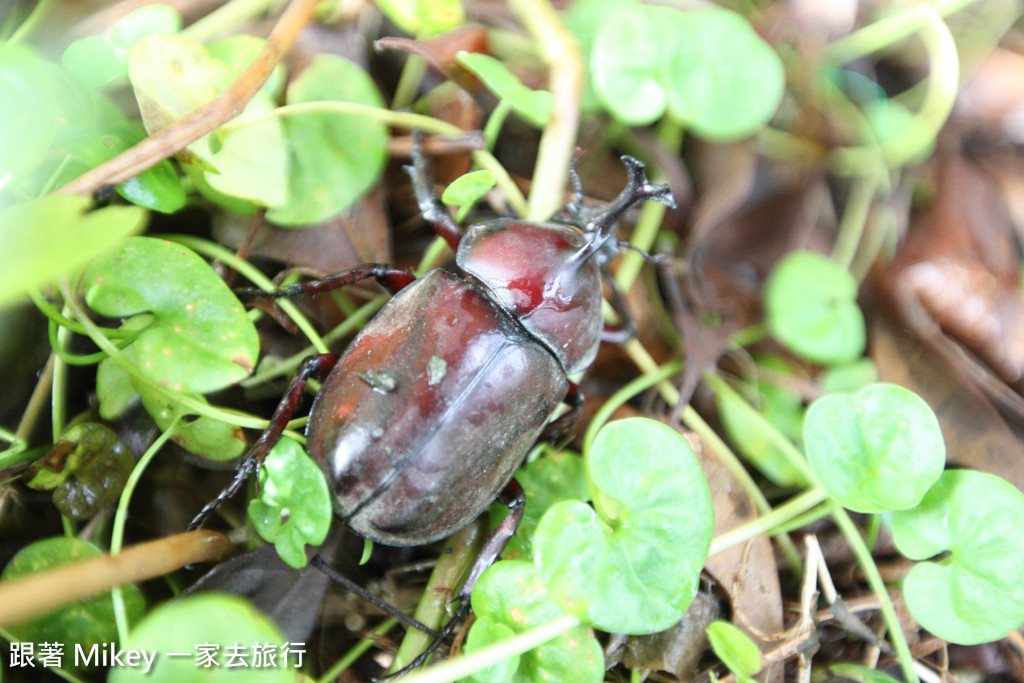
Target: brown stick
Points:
(207, 118)
(29, 596)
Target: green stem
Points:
(855, 217)
(940, 91)
(870, 569)
(225, 19)
(461, 667)
(893, 28)
(58, 393)
(409, 82)
(39, 12)
(561, 54)
(334, 673)
(121, 519)
(623, 395)
(494, 123)
(772, 522)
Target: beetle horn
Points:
(638, 189)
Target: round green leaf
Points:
(485, 632)
(877, 450)
(28, 117)
(728, 83)
(203, 629)
(203, 436)
(94, 60)
(628, 60)
(196, 336)
(735, 648)
(335, 158)
(975, 594)
(636, 567)
(466, 190)
(294, 506)
(143, 22)
(535, 106)
(511, 595)
(811, 307)
(87, 623)
(53, 236)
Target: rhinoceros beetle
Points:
(422, 421)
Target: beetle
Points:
(422, 421)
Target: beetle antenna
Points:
(602, 223)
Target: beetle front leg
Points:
(391, 278)
(430, 205)
(315, 367)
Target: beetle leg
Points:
(391, 278)
(429, 203)
(354, 588)
(565, 421)
(315, 367)
(626, 329)
(511, 496)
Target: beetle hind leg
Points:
(514, 499)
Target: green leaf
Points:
(583, 19)
(86, 469)
(335, 158)
(849, 377)
(486, 632)
(27, 118)
(535, 106)
(203, 436)
(173, 77)
(877, 450)
(556, 476)
(87, 623)
(628, 60)
(294, 506)
(728, 83)
(95, 61)
(211, 622)
(195, 336)
(754, 434)
(510, 597)
(735, 648)
(100, 60)
(423, 18)
(54, 236)
(466, 190)
(811, 308)
(634, 565)
(975, 593)
(142, 23)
